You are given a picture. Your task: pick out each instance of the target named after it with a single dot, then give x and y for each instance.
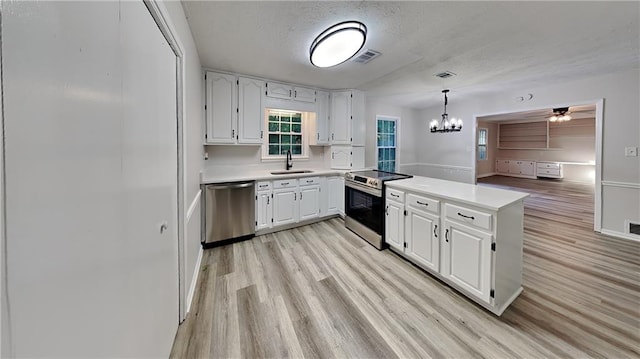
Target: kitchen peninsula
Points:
(466, 235)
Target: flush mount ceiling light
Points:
(446, 124)
(560, 114)
(337, 44)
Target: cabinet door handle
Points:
(333, 155)
(395, 195)
(386, 211)
(301, 196)
(295, 196)
(424, 204)
(267, 199)
(435, 229)
(446, 235)
(309, 181)
(261, 134)
(332, 136)
(286, 183)
(295, 93)
(233, 133)
(318, 136)
(462, 215)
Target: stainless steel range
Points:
(364, 203)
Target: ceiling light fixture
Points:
(560, 114)
(446, 124)
(337, 44)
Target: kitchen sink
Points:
(290, 172)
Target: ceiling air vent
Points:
(366, 56)
(445, 75)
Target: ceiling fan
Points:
(560, 114)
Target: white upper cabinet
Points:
(250, 111)
(341, 118)
(221, 108)
(234, 109)
(304, 94)
(278, 90)
(319, 133)
(290, 92)
(347, 118)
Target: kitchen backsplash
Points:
(238, 158)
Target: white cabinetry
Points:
(309, 198)
(290, 92)
(549, 169)
(264, 205)
(347, 118)
(476, 250)
(347, 157)
(422, 231)
(285, 202)
(233, 109)
(250, 118)
(467, 259)
(221, 108)
(516, 168)
(394, 219)
(319, 133)
(334, 188)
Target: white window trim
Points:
(397, 120)
(264, 153)
(486, 144)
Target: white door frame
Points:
(599, 103)
(160, 14)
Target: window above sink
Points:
(285, 130)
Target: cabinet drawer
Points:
(395, 195)
(545, 165)
(284, 183)
(423, 203)
(468, 216)
(549, 172)
(263, 186)
(308, 181)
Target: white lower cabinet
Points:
(290, 201)
(394, 225)
(422, 238)
(467, 259)
(309, 198)
(475, 250)
(516, 168)
(285, 202)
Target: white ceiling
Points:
(491, 46)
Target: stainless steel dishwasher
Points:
(229, 213)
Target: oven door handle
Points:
(362, 188)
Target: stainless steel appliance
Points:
(364, 203)
(229, 213)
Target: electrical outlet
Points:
(631, 151)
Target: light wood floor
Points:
(321, 291)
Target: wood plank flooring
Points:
(320, 291)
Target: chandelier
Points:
(560, 114)
(446, 124)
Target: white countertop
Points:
(220, 176)
(480, 196)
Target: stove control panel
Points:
(367, 181)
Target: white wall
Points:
(242, 158)
(621, 127)
(192, 134)
(406, 141)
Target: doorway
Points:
(538, 145)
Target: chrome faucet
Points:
(289, 160)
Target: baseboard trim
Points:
(194, 282)
(486, 175)
(621, 235)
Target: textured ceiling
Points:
(491, 46)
